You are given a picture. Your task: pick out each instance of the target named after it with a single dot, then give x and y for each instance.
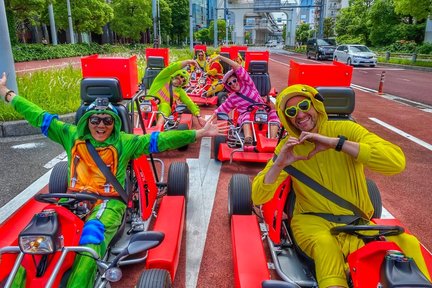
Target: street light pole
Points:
(190, 26)
(215, 26)
(155, 32)
(71, 32)
(6, 57)
(52, 24)
(226, 21)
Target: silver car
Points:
(355, 55)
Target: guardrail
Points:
(413, 57)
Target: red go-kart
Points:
(377, 264)
(232, 146)
(202, 89)
(43, 235)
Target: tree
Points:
(132, 17)
(87, 15)
(329, 24)
(419, 9)
(302, 33)
(180, 19)
(203, 35)
(382, 23)
(165, 18)
(221, 30)
(351, 25)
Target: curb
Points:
(23, 128)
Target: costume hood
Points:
(227, 76)
(304, 91)
(94, 108)
(183, 73)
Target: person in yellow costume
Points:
(334, 154)
(215, 72)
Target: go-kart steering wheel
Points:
(266, 107)
(70, 199)
(382, 231)
(149, 97)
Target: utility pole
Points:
(321, 20)
(6, 57)
(52, 24)
(226, 21)
(71, 32)
(190, 26)
(155, 26)
(215, 26)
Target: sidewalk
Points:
(30, 66)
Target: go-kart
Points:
(202, 89)
(43, 235)
(145, 120)
(379, 263)
(233, 148)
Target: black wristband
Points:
(7, 94)
(340, 143)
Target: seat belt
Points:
(330, 195)
(107, 172)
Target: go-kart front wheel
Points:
(217, 141)
(154, 278)
(58, 181)
(178, 179)
(239, 195)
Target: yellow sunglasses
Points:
(304, 106)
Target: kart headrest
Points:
(93, 88)
(155, 62)
(338, 100)
(258, 67)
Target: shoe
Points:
(248, 141)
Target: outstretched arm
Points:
(230, 62)
(5, 93)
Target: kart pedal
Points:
(271, 266)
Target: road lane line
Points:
(18, 201)
(203, 178)
(402, 133)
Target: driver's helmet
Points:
(183, 73)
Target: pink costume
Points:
(247, 88)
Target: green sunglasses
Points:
(304, 106)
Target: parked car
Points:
(320, 49)
(355, 55)
(271, 43)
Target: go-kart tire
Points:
(375, 197)
(217, 141)
(58, 181)
(178, 179)
(239, 195)
(154, 278)
(222, 96)
(183, 126)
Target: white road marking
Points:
(54, 161)
(203, 178)
(402, 133)
(28, 145)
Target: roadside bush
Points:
(402, 46)
(425, 48)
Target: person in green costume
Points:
(101, 125)
(168, 87)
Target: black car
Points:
(320, 49)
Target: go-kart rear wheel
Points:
(154, 278)
(217, 141)
(222, 96)
(183, 126)
(375, 197)
(239, 195)
(178, 179)
(58, 181)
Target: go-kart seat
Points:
(155, 64)
(258, 71)
(92, 88)
(339, 102)
(226, 67)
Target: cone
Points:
(381, 84)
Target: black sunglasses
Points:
(232, 82)
(95, 120)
